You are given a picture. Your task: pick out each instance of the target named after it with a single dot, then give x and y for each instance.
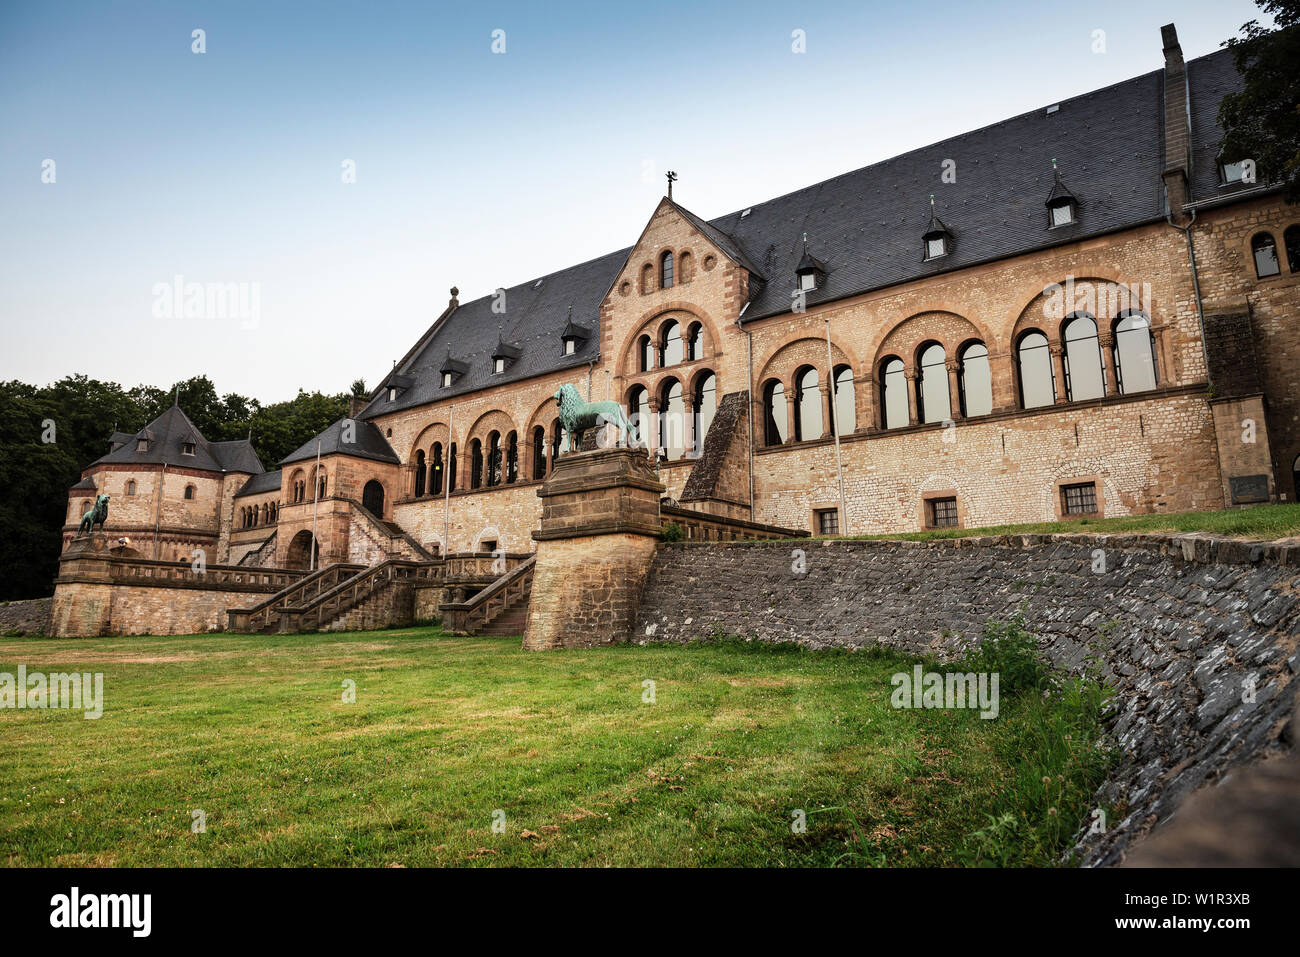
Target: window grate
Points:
(1079, 499)
(943, 512)
(828, 521)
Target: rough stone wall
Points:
(506, 514)
(29, 617)
(390, 607)
(1145, 454)
(84, 609)
(1179, 623)
(1226, 271)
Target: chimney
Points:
(1177, 171)
(355, 404)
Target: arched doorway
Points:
(300, 551)
(372, 498)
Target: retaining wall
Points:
(1180, 623)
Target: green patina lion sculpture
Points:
(577, 415)
(97, 514)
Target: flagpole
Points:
(315, 497)
(446, 487)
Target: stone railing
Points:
(146, 572)
(470, 616)
(480, 566)
(356, 589)
(705, 527)
(301, 592)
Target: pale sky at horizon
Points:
(472, 168)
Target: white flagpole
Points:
(315, 497)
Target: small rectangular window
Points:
(570, 346)
(187, 448)
(828, 521)
(498, 366)
(392, 395)
(142, 445)
(943, 512)
(808, 281)
(446, 380)
(1062, 215)
(1079, 499)
(935, 248)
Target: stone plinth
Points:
(599, 530)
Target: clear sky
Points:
(472, 168)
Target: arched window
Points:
(420, 473)
(645, 349)
(893, 393)
(475, 463)
(321, 482)
(975, 380)
(512, 457)
(1264, 249)
(539, 452)
(1291, 240)
(559, 441)
(435, 470)
(1135, 354)
(638, 414)
(807, 406)
(671, 343)
(672, 420)
(1037, 378)
(494, 459)
(706, 404)
(130, 487)
(774, 413)
(843, 412)
(934, 400)
(666, 271)
(189, 492)
(266, 514)
(1084, 376)
(451, 468)
(695, 342)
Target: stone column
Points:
(913, 396)
(1058, 371)
(954, 390)
(599, 530)
(791, 413)
(688, 427)
(1107, 345)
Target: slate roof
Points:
(370, 444)
(866, 226)
(166, 435)
(266, 482)
(86, 483)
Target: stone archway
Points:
(300, 551)
(372, 499)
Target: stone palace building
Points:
(1084, 310)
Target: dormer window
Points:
(811, 271)
(451, 370)
(392, 394)
(187, 448)
(1230, 173)
(573, 336)
(937, 238)
(1062, 206)
(142, 445)
(503, 355)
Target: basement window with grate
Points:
(828, 521)
(1080, 499)
(943, 512)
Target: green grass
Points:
(445, 731)
(1262, 522)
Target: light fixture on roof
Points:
(937, 238)
(1062, 205)
(1055, 107)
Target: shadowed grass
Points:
(253, 730)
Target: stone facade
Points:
(1200, 637)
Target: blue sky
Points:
(472, 168)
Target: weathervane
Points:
(672, 178)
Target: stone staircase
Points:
(273, 616)
(499, 609)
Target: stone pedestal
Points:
(600, 526)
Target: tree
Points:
(1261, 122)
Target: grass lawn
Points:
(445, 731)
(1260, 522)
